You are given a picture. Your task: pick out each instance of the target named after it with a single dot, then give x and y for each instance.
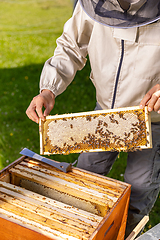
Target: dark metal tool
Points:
(63, 166)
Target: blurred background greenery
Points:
(29, 29)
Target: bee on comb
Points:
(123, 129)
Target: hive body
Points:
(40, 202)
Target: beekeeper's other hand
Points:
(152, 99)
(45, 99)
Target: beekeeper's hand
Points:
(152, 99)
(45, 99)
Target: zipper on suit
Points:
(118, 74)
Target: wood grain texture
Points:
(42, 202)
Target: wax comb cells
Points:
(123, 129)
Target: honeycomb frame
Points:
(123, 129)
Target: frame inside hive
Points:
(123, 129)
(59, 205)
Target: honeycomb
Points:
(123, 129)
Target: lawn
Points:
(28, 38)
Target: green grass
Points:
(29, 30)
(28, 38)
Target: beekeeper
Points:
(122, 40)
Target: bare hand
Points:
(45, 99)
(152, 99)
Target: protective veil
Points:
(110, 13)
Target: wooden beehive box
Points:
(40, 202)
